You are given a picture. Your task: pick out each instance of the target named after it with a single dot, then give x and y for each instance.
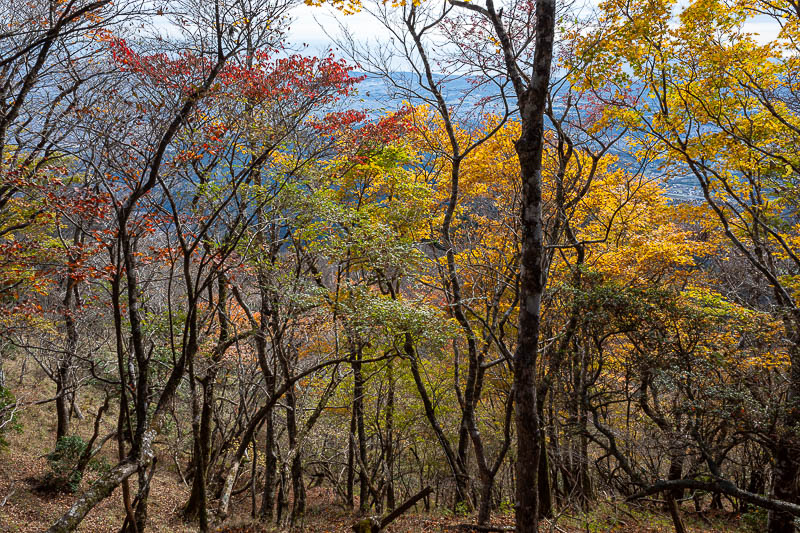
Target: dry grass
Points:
(27, 510)
(23, 464)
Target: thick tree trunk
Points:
(64, 395)
(757, 483)
(197, 506)
(62, 399)
(531, 289)
(299, 490)
(786, 476)
(786, 455)
(585, 490)
(676, 471)
(267, 311)
(545, 488)
(99, 490)
(283, 496)
(485, 506)
(529, 147)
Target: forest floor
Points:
(24, 508)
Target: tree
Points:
(730, 122)
(531, 94)
(188, 83)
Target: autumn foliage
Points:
(549, 281)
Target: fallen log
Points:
(468, 528)
(375, 525)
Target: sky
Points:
(311, 26)
(311, 23)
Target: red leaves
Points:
(336, 122)
(78, 201)
(359, 137)
(296, 76)
(321, 80)
(292, 87)
(34, 255)
(385, 130)
(391, 127)
(182, 72)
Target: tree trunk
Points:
(585, 489)
(298, 488)
(786, 476)
(197, 506)
(63, 380)
(485, 506)
(677, 522)
(268, 310)
(351, 459)
(102, 488)
(676, 472)
(584, 480)
(62, 398)
(531, 289)
(358, 411)
(545, 489)
(390, 503)
(529, 147)
(142, 495)
(283, 496)
(270, 469)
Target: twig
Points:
(553, 525)
(11, 492)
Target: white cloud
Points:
(312, 25)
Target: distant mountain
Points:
(377, 95)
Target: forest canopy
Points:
(529, 266)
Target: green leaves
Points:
(373, 314)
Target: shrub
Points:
(64, 476)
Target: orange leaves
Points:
(348, 7)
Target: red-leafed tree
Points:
(190, 134)
(148, 103)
